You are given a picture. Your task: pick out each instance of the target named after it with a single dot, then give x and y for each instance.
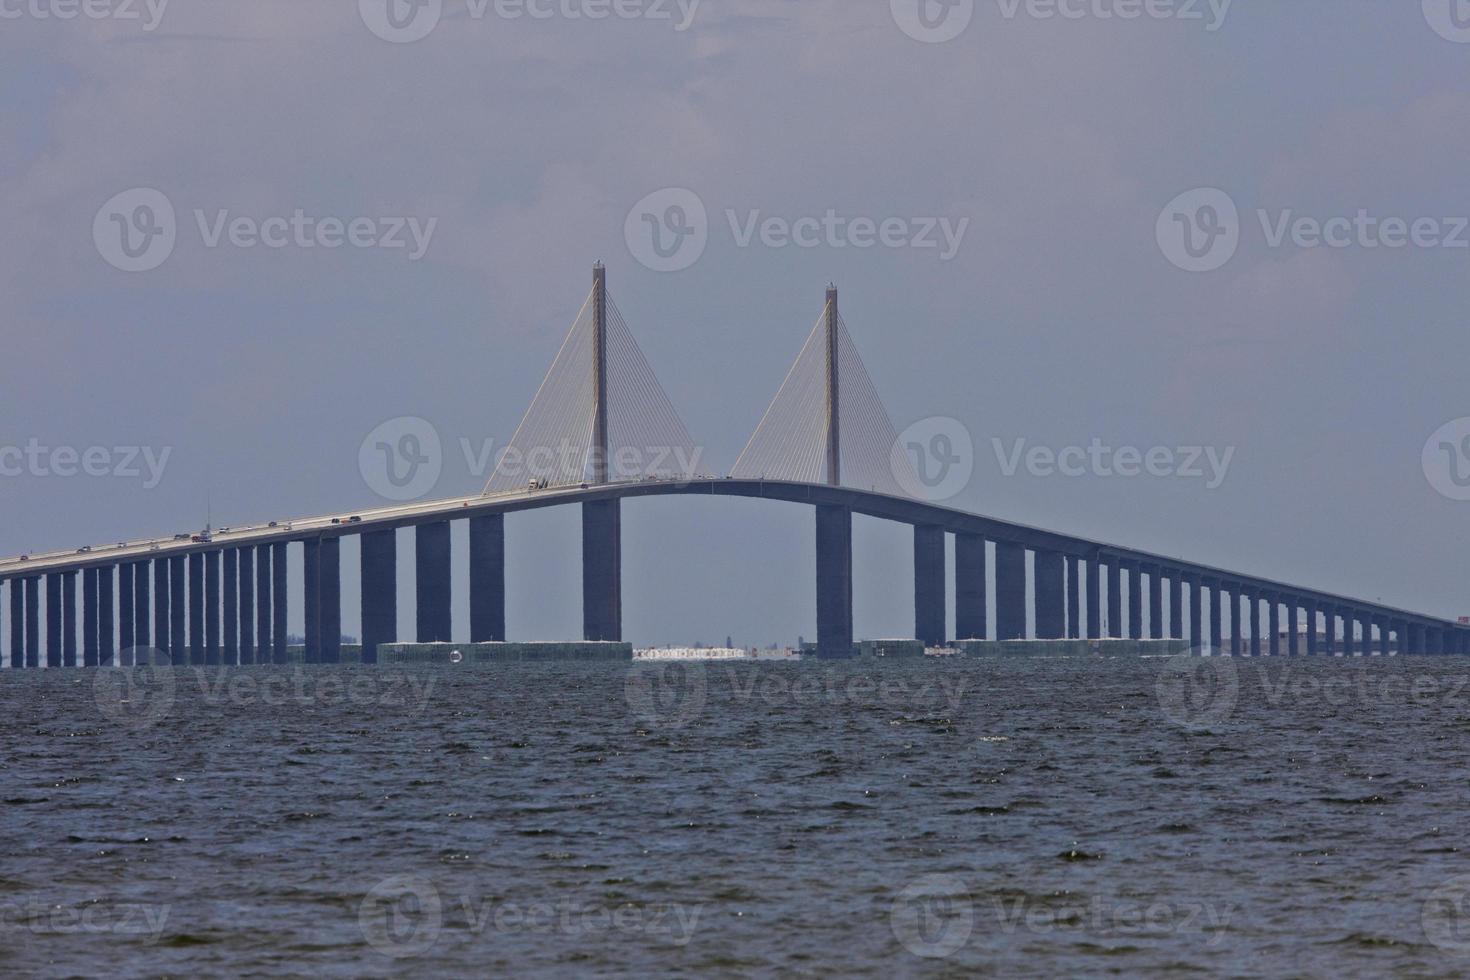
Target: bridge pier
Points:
(1135, 601)
(106, 617)
(487, 579)
(1176, 606)
(142, 609)
(69, 618)
(178, 609)
(1155, 604)
(1329, 631)
(247, 605)
(1115, 600)
(834, 582)
(1196, 612)
(17, 623)
(929, 611)
(53, 619)
(1050, 595)
(1217, 609)
(264, 639)
(232, 606)
(311, 599)
(33, 622)
(211, 608)
(602, 568)
(1094, 598)
(1074, 598)
(969, 587)
(1236, 637)
(1274, 624)
(89, 617)
(1293, 626)
(1010, 591)
(197, 653)
(280, 601)
(380, 590)
(330, 577)
(432, 574)
(1383, 637)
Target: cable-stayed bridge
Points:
(601, 430)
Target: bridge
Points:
(825, 442)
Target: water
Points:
(1248, 818)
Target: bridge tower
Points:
(602, 520)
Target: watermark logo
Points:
(1199, 231)
(933, 459)
(839, 231)
(1446, 460)
(401, 21)
(150, 12)
(1449, 18)
(1211, 12)
(932, 21)
(668, 230)
(135, 231)
(401, 459)
(136, 698)
(1446, 916)
(933, 917)
(1198, 692)
(667, 695)
(401, 916)
(41, 461)
(1098, 459)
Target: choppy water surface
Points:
(1018, 818)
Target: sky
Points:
(1230, 235)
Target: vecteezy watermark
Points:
(1449, 18)
(407, 21)
(933, 459)
(1097, 459)
(1198, 692)
(1200, 230)
(122, 462)
(669, 230)
(98, 917)
(674, 694)
(935, 916)
(403, 916)
(1445, 916)
(138, 229)
(141, 696)
(148, 12)
(937, 21)
(401, 459)
(1446, 460)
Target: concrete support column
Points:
(969, 587)
(280, 601)
(1384, 626)
(1135, 601)
(265, 641)
(1349, 633)
(1094, 599)
(53, 619)
(1310, 609)
(1436, 641)
(311, 599)
(1176, 606)
(89, 617)
(1115, 599)
(1051, 600)
(834, 580)
(1074, 598)
(247, 605)
(17, 623)
(1274, 625)
(331, 591)
(1293, 627)
(602, 568)
(1216, 619)
(106, 617)
(1329, 631)
(142, 607)
(1010, 591)
(1237, 620)
(178, 610)
(929, 611)
(33, 622)
(197, 652)
(1155, 603)
(69, 619)
(232, 606)
(211, 608)
(1260, 645)
(487, 579)
(380, 590)
(432, 565)
(1196, 612)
